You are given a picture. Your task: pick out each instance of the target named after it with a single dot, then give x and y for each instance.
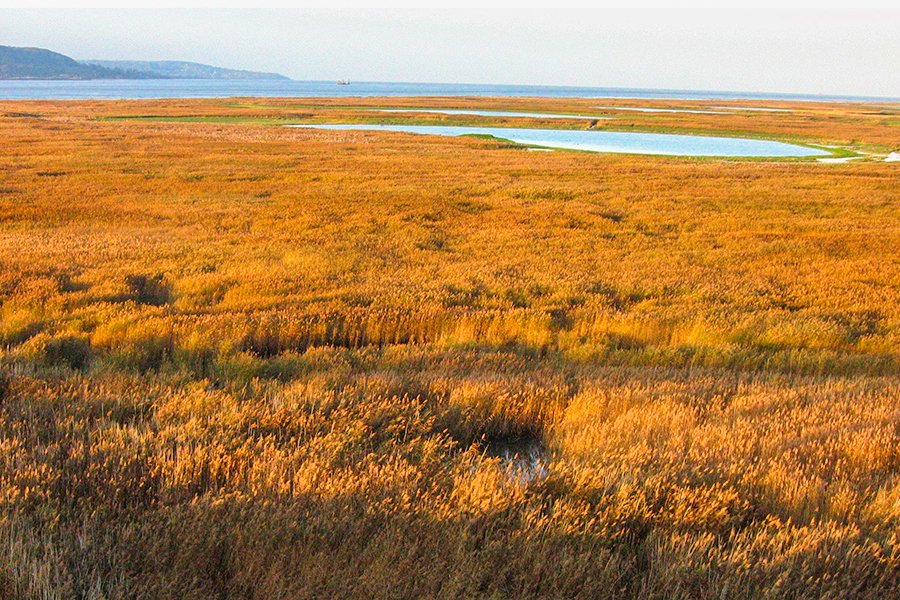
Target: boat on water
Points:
(343, 82)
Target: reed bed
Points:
(242, 361)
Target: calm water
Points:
(719, 110)
(758, 108)
(195, 88)
(661, 110)
(485, 113)
(609, 141)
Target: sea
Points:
(137, 89)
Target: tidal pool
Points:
(717, 110)
(608, 141)
(757, 108)
(524, 460)
(485, 113)
(661, 110)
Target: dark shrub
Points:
(70, 351)
(147, 354)
(148, 290)
(5, 385)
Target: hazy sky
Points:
(795, 50)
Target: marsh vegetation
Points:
(246, 361)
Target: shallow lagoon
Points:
(660, 110)
(609, 141)
(754, 108)
(718, 110)
(485, 113)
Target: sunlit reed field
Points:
(244, 361)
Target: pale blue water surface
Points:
(484, 113)
(211, 88)
(608, 141)
(758, 108)
(661, 110)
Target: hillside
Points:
(38, 63)
(173, 69)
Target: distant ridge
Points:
(174, 69)
(38, 63)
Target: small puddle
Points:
(524, 460)
(838, 160)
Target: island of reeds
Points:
(240, 361)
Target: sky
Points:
(772, 47)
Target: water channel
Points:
(607, 141)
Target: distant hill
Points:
(37, 63)
(176, 69)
